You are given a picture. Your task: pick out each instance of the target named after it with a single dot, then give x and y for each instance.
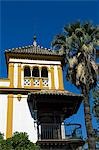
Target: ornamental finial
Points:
(34, 42)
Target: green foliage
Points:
(1, 137)
(4, 144)
(19, 141)
(77, 44)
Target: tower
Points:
(33, 98)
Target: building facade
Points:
(33, 99)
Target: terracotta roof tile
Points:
(55, 92)
(33, 50)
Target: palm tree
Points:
(96, 102)
(77, 43)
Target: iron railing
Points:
(59, 131)
(36, 82)
(73, 130)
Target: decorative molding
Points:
(19, 96)
(34, 62)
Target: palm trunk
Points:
(88, 120)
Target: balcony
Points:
(57, 136)
(36, 82)
(59, 132)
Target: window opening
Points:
(27, 72)
(35, 72)
(44, 72)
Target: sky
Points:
(21, 20)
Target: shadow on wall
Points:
(33, 112)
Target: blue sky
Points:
(21, 20)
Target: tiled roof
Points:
(55, 92)
(31, 49)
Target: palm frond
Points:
(87, 26)
(69, 29)
(58, 40)
(78, 43)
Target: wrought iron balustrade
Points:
(36, 82)
(73, 130)
(58, 131)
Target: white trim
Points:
(56, 77)
(22, 78)
(4, 83)
(28, 61)
(63, 130)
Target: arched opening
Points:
(35, 72)
(44, 72)
(27, 72)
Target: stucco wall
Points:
(3, 113)
(21, 117)
(22, 120)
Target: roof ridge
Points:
(29, 46)
(36, 50)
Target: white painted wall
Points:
(15, 75)
(22, 78)
(3, 113)
(56, 77)
(22, 120)
(4, 83)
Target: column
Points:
(31, 78)
(22, 77)
(63, 130)
(19, 75)
(39, 136)
(9, 125)
(41, 82)
(52, 77)
(60, 78)
(11, 74)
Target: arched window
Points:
(27, 72)
(44, 72)
(35, 72)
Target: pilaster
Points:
(52, 78)
(9, 125)
(11, 74)
(19, 75)
(60, 78)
